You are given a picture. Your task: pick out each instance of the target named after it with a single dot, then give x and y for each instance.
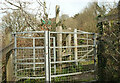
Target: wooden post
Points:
(1, 55)
(44, 8)
(68, 43)
(87, 45)
(57, 14)
(59, 39)
(75, 43)
(100, 54)
(95, 53)
(119, 39)
(6, 65)
(9, 64)
(9, 68)
(0, 67)
(8, 36)
(59, 36)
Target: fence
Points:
(54, 56)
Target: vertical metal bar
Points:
(87, 45)
(34, 56)
(54, 51)
(75, 43)
(94, 42)
(47, 60)
(49, 57)
(15, 56)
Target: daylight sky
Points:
(70, 7)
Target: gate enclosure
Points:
(54, 56)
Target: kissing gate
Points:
(54, 56)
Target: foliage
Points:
(20, 18)
(19, 21)
(109, 48)
(83, 21)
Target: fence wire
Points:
(71, 54)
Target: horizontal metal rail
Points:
(30, 68)
(32, 37)
(30, 77)
(41, 47)
(77, 73)
(84, 32)
(53, 32)
(30, 63)
(70, 61)
(74, 46)
(41, 58)
(87, 55)
(57, 62)
(28, 32)
(69, 74)
(29, 58)
(69, 33)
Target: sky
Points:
(70, 7)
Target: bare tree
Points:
(20, 18)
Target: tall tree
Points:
(87, 19)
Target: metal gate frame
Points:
(76, 59)
(47, 54)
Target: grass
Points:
(31, 81)
(87, 62)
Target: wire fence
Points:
(54, 56)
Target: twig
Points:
(13, 4)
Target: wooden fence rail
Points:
(109, 18)
(6, 65)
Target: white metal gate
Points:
(55, 56)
